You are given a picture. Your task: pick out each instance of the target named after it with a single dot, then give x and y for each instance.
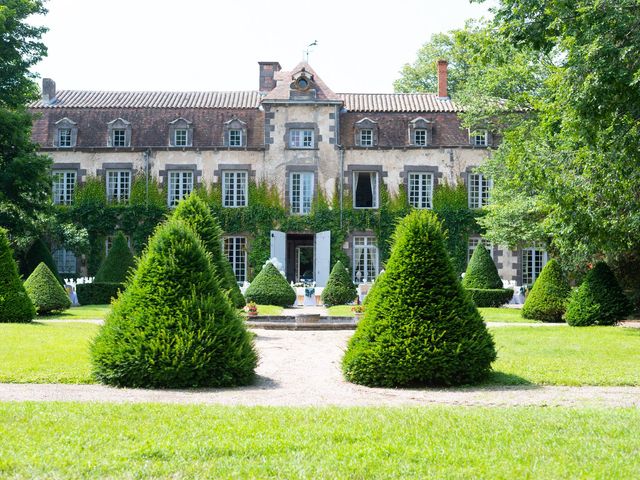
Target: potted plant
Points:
(252, 309)
(358, 312)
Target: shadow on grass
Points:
(499, 379)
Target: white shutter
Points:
(323, 257)
(279, 247)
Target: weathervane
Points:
(308, 50)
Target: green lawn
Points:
(68, 440)
(340, 311)
(269, 310)
(83, 312)
(511, 315)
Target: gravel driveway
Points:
(302, 368)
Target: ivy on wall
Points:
(265, 212)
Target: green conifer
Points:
(340, 289)
(45, 292)
(547, 300)
(270, 288)
(38, 252)
(118, 262)
(15, 304)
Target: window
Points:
(301, 192)
(533, 259)
(235, 137)
(235, 248)
(118, 185)
(180, 186)
(108, 242)
(474, 242)
(119, 137)
(420, 190)
(479, 138)
(64, 137)
(365, 189)
(366, 137)
(119, 133)
(300, 138)
(479, 188)
(234, 188)
(180, 136)
(365, 259)
(65, 260)
(64, 183)
(420, 137)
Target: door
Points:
(323, 257)
(279, 248)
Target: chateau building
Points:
(293, 132)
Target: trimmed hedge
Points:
(97, 293)
(481, 271)
(45, 292)
(115, 267)
(340, 289)
(270, 288)
(174, 326)
(37, 253)
(547, 300)
(198, 216)
(419, 328)
(15, 304)
(599, 300)
(485, 297)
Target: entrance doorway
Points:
(303, 256)
(300, 257)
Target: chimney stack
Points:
(267, 72)
(48, 90)
(442, 79)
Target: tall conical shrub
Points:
(15, 304)
(116, 265)
(37, 253)
(270, 288)
(420, 328)
(547, 300)
(483, 282)
(198, 216)
(599, 300)
(340, 289)
(173, 326)
(45, 292)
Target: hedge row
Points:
(97, 292)
(485, 297)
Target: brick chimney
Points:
(267, 72)
(442, 79)
(48, 90)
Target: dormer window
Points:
(180, 133)
(366, 131)
(66, 133)
(479, 138)
(235, 133)
(119, 133)
(420, 132)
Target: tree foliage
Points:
(45, 291)
(37, 253)
(340, 289)
(119, 260)
(15, 304)
(481, 271)
(270, 288)
(547, 300)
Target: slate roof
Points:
(284, 78)
(397, 102)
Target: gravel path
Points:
(302, 368)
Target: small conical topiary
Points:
(340, 289)
(547, 300)
(481, 271)
(38, 252)
(270, 288)
(173, 326)
(198, 216)
(599, 300)
(45, 292)
(419, 328)
(15, 304)
(116, 265)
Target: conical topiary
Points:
(198, 216)
(45, 292)
(173, 326)
(599, 300)
(270, 288)
(116, 265)
(38, 252)
(340, 289)
(15, 304)
(420, 328)
(547, 300)
(481, 271)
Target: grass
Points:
(83, 312)
(510, 315)
(269, 310)
(70, 440)
(340, 311)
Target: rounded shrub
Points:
(599, 300)
(547, 300)
(340, 289)
(419, 328)
(198, 216)
(483, 282)
(173, 326)
(37, 253)
(15, 304)
(116, 265)
(270, 288)
(45, 292)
